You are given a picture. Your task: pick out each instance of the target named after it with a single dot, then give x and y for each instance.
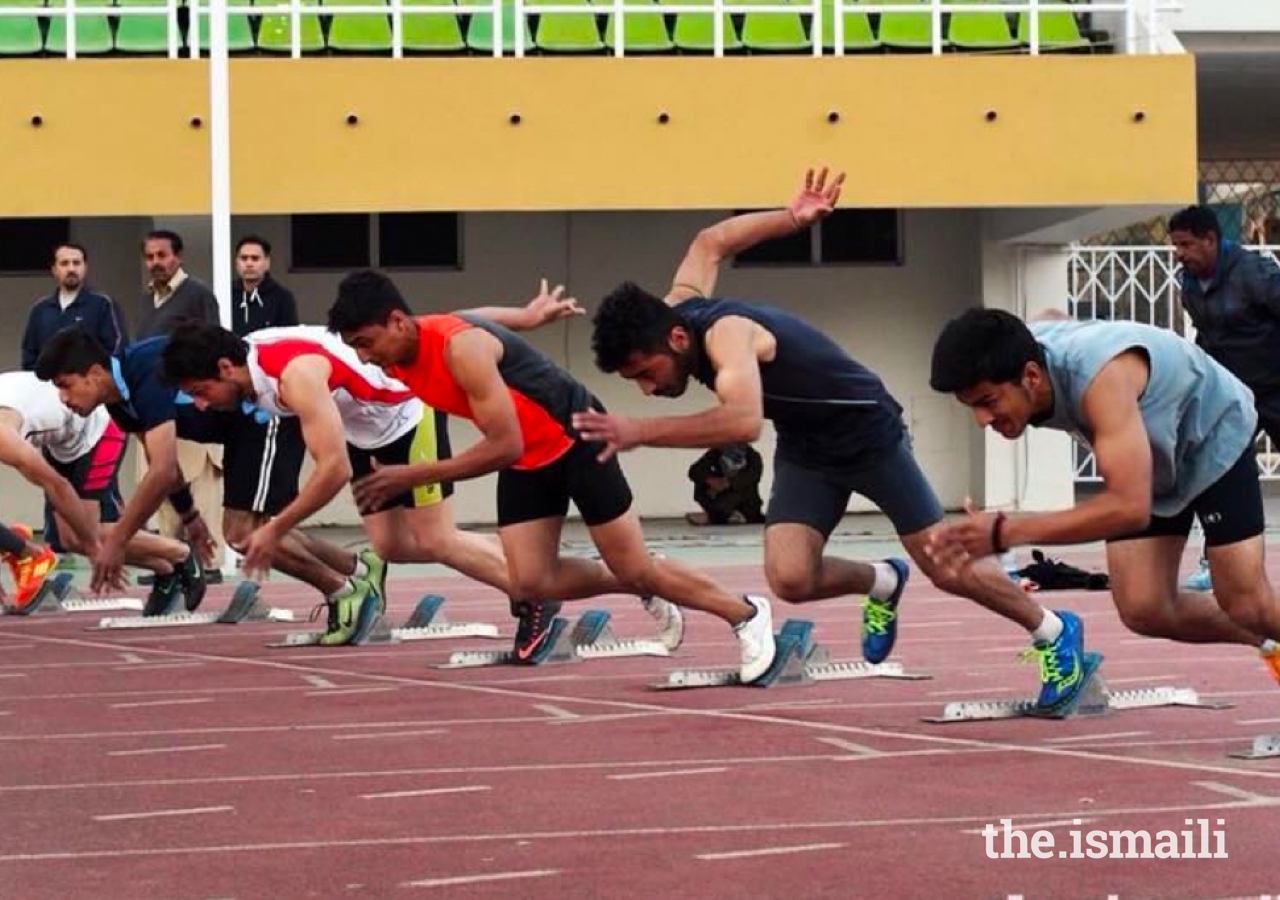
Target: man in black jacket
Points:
(257, 300)
(1233, 298)
(72, 303)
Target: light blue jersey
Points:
(1199, 417)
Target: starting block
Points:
(427, 622)
(1265, 746)
(799, 660)
(245, 606)
(1094, 699)
(589, 637)
(54, 597)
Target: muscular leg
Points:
(798, 572)
(1241, 586)
(538, 571)
(428, 534)
(292, 557)
(331, 555)
(1144, 582)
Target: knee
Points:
(1250, 611)
(235, 532)
(1147, 620)
(791, 583)
(639, 576)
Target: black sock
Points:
(10, 542)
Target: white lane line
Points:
(1094, 737)
(768, 851)
(633, 776)
(387, 734)
(152, 666)
(860, 749)
(1232, 791)
(175, 702)
(346, 692)
(1023, 826)
(427, 792)
(183, 748)
(13, 674)
(478, 879)
(131, 658)
(556, 712)
(157, 813)
(318, 681)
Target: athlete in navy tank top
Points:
(839, 432)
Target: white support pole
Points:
(220, 157)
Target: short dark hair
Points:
(194, 348)
(254, 239)
(365, 297)
(982, 345)
(68, 245)
(71, 351)
(1201, 221)
(164, 234)
(630, 320)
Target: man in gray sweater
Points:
(174, 296)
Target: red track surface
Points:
(195, 763)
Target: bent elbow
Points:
(749, 432)
(510, 451)
(1134, 517)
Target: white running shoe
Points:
(755, 636)
(669, 618)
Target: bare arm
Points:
(163, 477)
(730, 344)
(548, 306)
(472, 357)
(1123, 454)
(700, 268)
(304, 387)
(16, 452)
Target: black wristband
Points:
(996, 527)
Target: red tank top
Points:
(428, 376)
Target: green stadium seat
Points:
(1059, 30)
(907, 30)
(428, 33)
(239, 30)
(20, 35)
(480, 31)
(569, 32)
(354, 33)
(858, 36)
(695, 32)
(143, 34)
(977, 30)
(767, 32)
(275, 34)
(645, 32)
(93, 33)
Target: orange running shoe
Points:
(30, 573)
(11, 560)
(1273, 663)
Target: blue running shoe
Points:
(880, 618)
(1200, 579)
(1063, 673)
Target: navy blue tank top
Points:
(827, 408)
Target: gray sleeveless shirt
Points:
(1199, 417)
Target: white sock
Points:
(347, 587)
(361, 569)
(1049, 630)
(886, 581)
(1268, 647)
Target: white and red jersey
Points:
(376, 409)
(46, 423)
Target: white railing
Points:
(1140, 284)
(1134, 24)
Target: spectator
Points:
(1233, 298)
(726, 484)
(174, 296)
(257, 300)
(71, 303)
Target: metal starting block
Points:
(1094, 699)
(799, 660)
(245, 606)
(589, 637)
(427, 622)
(1265, 746)
(54, 597)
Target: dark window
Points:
(860, 236)
(793, 249)
(26, 245)
(330, 241)
(419, 240)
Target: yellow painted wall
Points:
(435, 133)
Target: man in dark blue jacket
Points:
(1233, 298)
(72, 303)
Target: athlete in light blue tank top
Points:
(839, 432)
(1172, 435)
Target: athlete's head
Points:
(1194, 234)
(79, 367)
(993, 364)
(209, 363)
(644, 340)
(374, 320)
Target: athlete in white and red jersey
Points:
(343, 404)
(75, 460)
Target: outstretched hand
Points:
(817, 199)
(953, 545)
(617, 433)
(551, 305)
